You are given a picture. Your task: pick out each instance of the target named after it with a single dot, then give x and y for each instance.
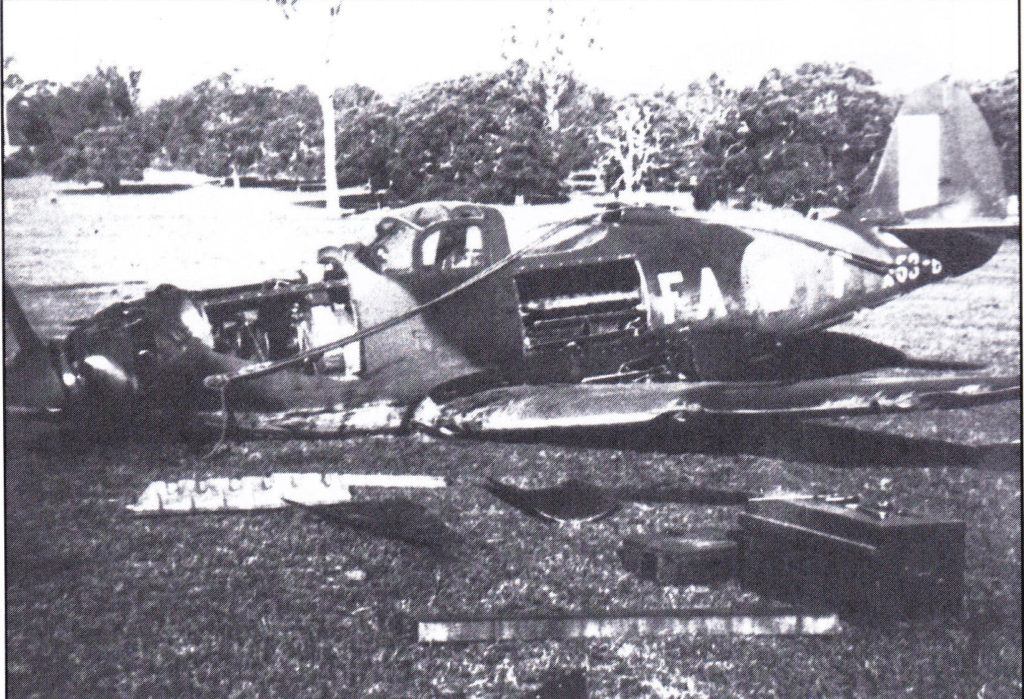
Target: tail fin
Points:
(31, 383)
(940, 163)
(939, 186)
(16, 325)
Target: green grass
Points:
(100, 603)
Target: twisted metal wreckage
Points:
(615, 318)
(618, 318)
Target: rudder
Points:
(940, 163)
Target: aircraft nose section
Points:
(108, 379)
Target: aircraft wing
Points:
(521, 408)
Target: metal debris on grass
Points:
(272, 492)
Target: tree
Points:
(234, 128)
(46, 117)
(367, 135)
(656, 142)
(801, 139)
(480, 137)
(630, 142)
(176, 127)
(108, 154)
(11, 81)
(324, 24)
(702, 112)
(292, 142)
(571, 110)
(574, 145)
(999, 101)
(547, 55)
(97, 123)
(17, 159)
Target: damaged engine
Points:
(275, 319)
(125, 352)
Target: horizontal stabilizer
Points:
(522, 408)
(273, 492)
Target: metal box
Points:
(673, 560)
(864, 562)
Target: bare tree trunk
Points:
(325, 96)
(321, 36)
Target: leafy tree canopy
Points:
(95, 121)
(999, 101)
(480, 137)
(108, 154)
(801, 139)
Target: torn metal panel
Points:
(265, 493)
(547, 407)
(521, 408)
(316, 422)
(572, 499)
(576, 500)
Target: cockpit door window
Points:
(394, 249)
(455, 246)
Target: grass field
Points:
(102, 604)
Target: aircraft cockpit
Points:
(438, 238)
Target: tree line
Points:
(804, 138)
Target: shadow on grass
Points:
(809, 442)
(132, 189)
(82, 434)
(830, 445)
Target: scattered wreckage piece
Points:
(572, 499)
(310, 423)
(395, 518)
(577, 500)
(869, 563)
(188, 496)
(681, 560)
(629, 624)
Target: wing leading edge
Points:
(523, 408)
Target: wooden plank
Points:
(626, 624)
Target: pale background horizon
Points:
(395, 45)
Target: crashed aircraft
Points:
(618, 317)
